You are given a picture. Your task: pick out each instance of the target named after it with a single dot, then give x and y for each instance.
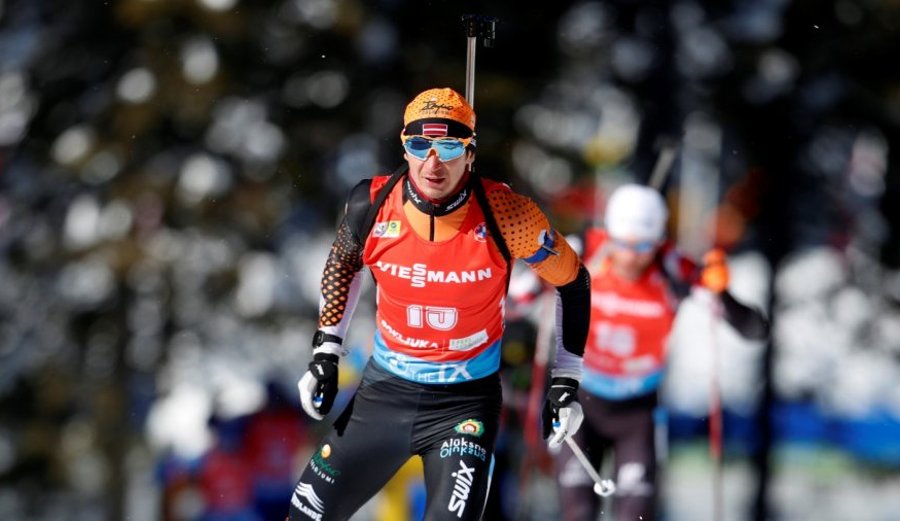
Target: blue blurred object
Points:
(684, 427)
(417, 499)
(874, 439)
(799, 422)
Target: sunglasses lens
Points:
(447, 149)
(637, 247)
(418, 147)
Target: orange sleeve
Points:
(524, 226)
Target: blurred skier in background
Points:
(638, 280)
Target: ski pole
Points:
(715, 414)
(663, 165)
(602, 487)
(658, 175)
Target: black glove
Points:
(319, 385)
(562, 395)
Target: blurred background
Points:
(172, 173)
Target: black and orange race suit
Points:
(432, 387)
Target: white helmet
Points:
(636, 213)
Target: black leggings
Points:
(628, 428)
(452, 427)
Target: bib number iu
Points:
(439, 318)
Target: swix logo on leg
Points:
(306, 492)
(461, 487)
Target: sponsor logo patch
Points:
(612, 304)
(418, 343)
(305, 491)
(470, 342)
(386, 230)
(470, 427)
(321, 467)
(419, 275)
(462, 485)
(481, 232)
(462, 447)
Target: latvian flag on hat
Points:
(434, 129)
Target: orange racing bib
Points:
(439, 304)
(630, 323)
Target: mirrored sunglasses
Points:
(447, 148)
(637, 247)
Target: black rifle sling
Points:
(382, 194)
(490, 222)
(493, 228)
